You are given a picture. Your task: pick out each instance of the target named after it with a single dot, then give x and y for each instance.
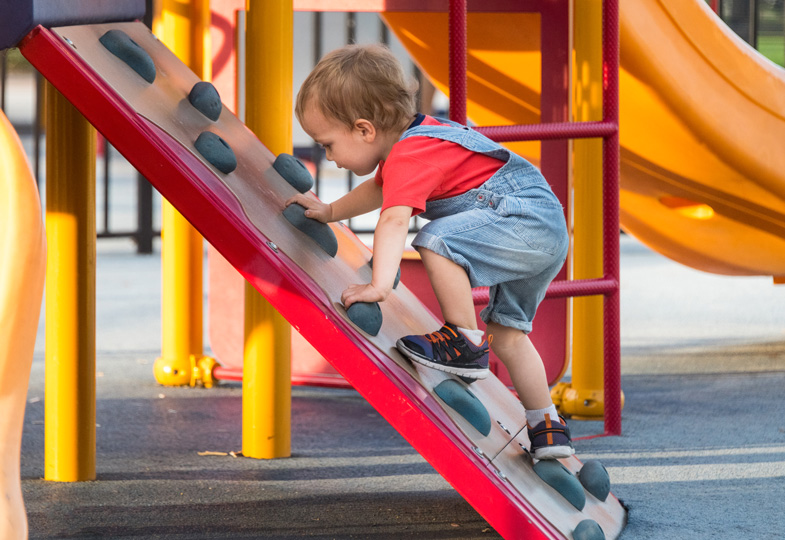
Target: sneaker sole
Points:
(469, 373)
(554, 452)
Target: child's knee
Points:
(504, 337)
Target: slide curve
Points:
(22, 269)
(702, 123)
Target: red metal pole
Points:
(457, 28)
(548, 131)
(612, 319)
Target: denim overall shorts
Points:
(509, 234)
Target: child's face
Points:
(356, 149)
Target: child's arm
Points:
(389, 240)
(363, 199)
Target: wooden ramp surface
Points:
(154, 126)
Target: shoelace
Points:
(442, 341)
(438, 336)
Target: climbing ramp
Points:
(137, 95)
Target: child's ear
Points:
(366, 129)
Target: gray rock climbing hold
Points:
(205, 99)
(559, 478)
(126, 49)
(465, 403)
(293, 171)
(319, 232)
(366, 315)
(594, 478)
(215, 150)
(588, 529)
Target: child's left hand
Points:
(363, 293)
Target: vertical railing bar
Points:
(611, 314)
(351, 38)
(316, 151)
(106, 171)
(38, 115)
(3, 72)
(458, 93)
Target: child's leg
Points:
(450, 284)
(458, 347)
(550, 439)
(523, 362)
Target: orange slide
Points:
(702, 123)
(22, 269)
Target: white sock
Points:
(475, 336)
(537, 416)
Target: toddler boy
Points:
(494, 221)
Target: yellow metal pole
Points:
(184, 26)
(583, 397)
(266, 364)
(70, 293)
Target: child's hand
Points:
(314, 208)
(363, 293)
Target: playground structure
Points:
(676, 203)
(149, 120)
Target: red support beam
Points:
(458, 94)
(612, 316)
(549, 131)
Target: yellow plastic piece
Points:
(185, 28)
(23, 260)
(70, 294)
(702, 118)
(267, 398)
(202, 371)
(583, 396)
(580, 403)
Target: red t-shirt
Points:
(421, 168)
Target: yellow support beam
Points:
(184, 26)
(583, 397)
(70, 293)
(266, 363)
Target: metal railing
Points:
(608, 130)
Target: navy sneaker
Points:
(447, 350)
(550, 440)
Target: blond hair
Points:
(360, 81)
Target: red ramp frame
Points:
(154, 126)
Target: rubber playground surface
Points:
(702, 454)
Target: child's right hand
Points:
(314, 208)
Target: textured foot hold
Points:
(595, 479)
(216, 151)
(318, 231)
(126, 49)
(397, 276)
(366, 315)
(293, 171)
(588, 529)
(465, 403)
(205, 99)
(559, 478)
